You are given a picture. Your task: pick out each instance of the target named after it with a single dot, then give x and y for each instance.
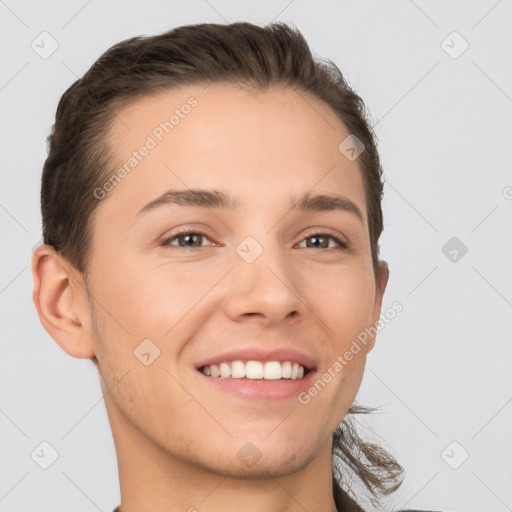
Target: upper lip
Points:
(260, 354)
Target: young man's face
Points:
(261, 277)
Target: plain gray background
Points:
(441, 370)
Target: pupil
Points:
(188, 238)
(317, 238)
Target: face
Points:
(255, 279)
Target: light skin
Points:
(176, 435)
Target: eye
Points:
(320, 238)
(191, 240)
(184, 238)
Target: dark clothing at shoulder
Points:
(344, 503)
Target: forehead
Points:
(256, 143)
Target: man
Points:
(211, 215)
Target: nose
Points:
(262, 285)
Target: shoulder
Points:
(344, 503)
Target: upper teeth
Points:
(271, 370)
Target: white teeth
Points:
(237, 370)
(254, 370)
(225, 370)
(286, 370)
(270, 370)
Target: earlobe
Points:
(380, 288)
(382, 281)
(60, 302)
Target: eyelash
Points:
(342, 246)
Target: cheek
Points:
(345, 304)
(344, 299)
(144, 302)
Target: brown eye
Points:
(186, 240)
(321, 240)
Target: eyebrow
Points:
(203, 198)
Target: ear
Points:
(60, 298)
(380, 288)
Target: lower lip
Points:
(264, 390)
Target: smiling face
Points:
(254, 273)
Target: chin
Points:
(258, 459)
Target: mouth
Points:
(258, 381)
(258, 374)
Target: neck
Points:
(153, 479)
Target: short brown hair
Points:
(240, 54)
